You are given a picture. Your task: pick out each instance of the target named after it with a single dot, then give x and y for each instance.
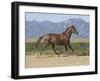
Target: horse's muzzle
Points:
(76, 32)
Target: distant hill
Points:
(36, 28)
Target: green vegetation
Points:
(80, 48)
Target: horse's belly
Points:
(60, 42)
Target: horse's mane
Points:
(66, 29)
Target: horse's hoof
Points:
(58, 55)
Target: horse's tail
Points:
(39, 40)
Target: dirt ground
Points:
(53, 61)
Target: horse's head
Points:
(73, 29)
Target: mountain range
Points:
(38, 28)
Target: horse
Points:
(58, 39)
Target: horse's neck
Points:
(68, 33)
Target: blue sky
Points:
(53, 17)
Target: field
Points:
(81, 48)
(50, 59)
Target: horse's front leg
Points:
(70, 47)
(53, 46)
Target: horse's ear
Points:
(74, 25)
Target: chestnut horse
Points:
(58, 39)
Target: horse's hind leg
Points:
(45, 46)
(53, 46)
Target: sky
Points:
(53, 17)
